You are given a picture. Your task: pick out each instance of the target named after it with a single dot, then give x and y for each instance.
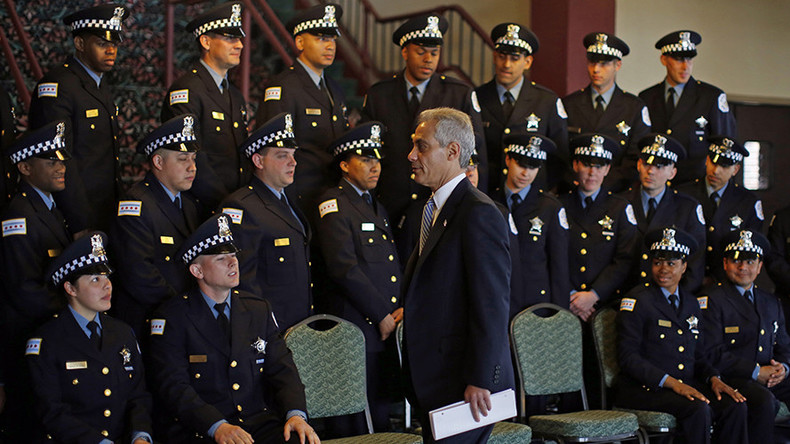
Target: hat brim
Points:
(181, 147)
(597, 57)
(651, 159)
(223, 248)
(321, 31)
(742, 255)
(110, 36)
(53, 155)
(511, 50)
(593, 160)
(425, 41)
(664, 255)
(235, 32)
(721, 160)
(101, 268)
(682, 54)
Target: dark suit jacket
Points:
(221, 129)
(76, 385)
(93, 173)
(702, 111)
(456, 303)
(274, 262)
(202, 379)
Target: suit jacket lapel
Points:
(239, 326)
(213, 91)
(46, 216)
(89, 85)
(167, 206)
(443, 218)
(311, 87)
(205, 323)
(686, 102)
(274, 205)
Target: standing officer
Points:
(79, 92)
(509, 100)
(85, 366)
(656, 205)
(745, 328)
(315, 101)
(603, 108)
(273, 234)
(154, 219)
(727, 206)
(540, 221)
(686, 108)
(219, 107)
(356, 240)
(661, 349)
(220, 364)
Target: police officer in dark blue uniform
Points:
(656, 205)
(85, 366)
(220, 108)
(152, 222)
(272, 232)
(745, 328)
(661, 348)
(79, 92)
(603, 108)
(509, 100)
(685, 108)
(727, 206)
(221, 367)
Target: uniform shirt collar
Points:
(719, 192)
(169, 193)
(678, 91)
(360, 192)
(214, 76)
(666, 293)
(742, 290)
(83, 322)
(441, 195)
(646, 198)
(607, 96)
(211, 303)
(582, 196)
(514, 91)
(420, 87)
(523, 194)
(313, 76)
(96, 77)
(47, 199)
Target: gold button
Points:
(103, 432)
(314, 124)
(167, 258)
(681, 366)
(370, 240)
(233, 364)
(584, 235)
(413, 197)
(507, 130)
(669, 131)
(309, 263)
(542, 291)
(700, 139)
(534, 238)
(384, 236)
(710, 248)
(93, 126)
(662, 336)
(412, 176)
(680, 332)
(218, 129)
(75, 381)
(107, 413)
(711, 229)
(583, 269)
(311, 285)
(394, 279)
(282, 259)
(583, 251)
(391, 258)
(105, 370)
(107, 392)
(760, 348)
(394, 299)
(608, 237)
(260, 370)
(732, 341)
(622, 142)
(643, 274)
(236, 386)
(584, 286)
(762, 331)
(238, 407)
(681, 349)
(644, 257)
(197, 375)
(235, 124)
(334, 118)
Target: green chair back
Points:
(605, 338)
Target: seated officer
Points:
(218, 358)
(745, 328)
(153, 221)
(540, 223)
(662, 355)
(273, 234)
(85, 366)
(727, 206)
(656, 205)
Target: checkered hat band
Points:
(677, 248)
(356, 144)
(95, 24)
(267, 140)
(204, 245)
(753, 249)
(77, 264)
(518, 43)
(587, 151)
(525, 151)
(420, 34)
(610, 51)
(666, 154)
(216, 24)
(678, 47)
(170, 139)
(729, 154)
(314, 24)
(43, 147)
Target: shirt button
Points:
(760, 348)
(762, 331)
(394, 299)
(732, 341)
(644, 257)
(93, 126)
(394, 279)
(167, 258)
(413, 197)
(75, 381)
(391, 258)
(197, 375)
(583, 286)
(105, 371)
(584, 235)
(669, 131)
(662, 336)
(103, 432)
(542, 291)
(583, 251)
(370, 240)
(711, 229)
(107, 392)
(236, 386)
(681, 349)
(681, 366)
(622, 142)
(235, 124)
(233, 364)
(680, 332)
(107, 413)
(507, 130)
(384, 236)
(583, 269)
(282, 259)
(643, 274)
(218, 129)
(710, 248)
(334, 118)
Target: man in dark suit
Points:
(510, 101)
(315, 101)
(274, 235)
(221, 367)
(745, 328)
(662, 351)
(220, 108)
(727, 206)
(603, 108)
(686, 108)
(656, 205)
(456, 282)
(80, 93)
(155, 218)
(396, 103)
(85, 366)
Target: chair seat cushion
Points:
(510, 433)
(588, 423)
(379, 438)
(652, 420)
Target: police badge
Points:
(126, 355)
(97, 249)
(693, 322)
(537, 226)
(259, 345)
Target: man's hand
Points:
(718, 386)
(684, 390)
(772, 374)
(228, 433)
(398, 314)
(302, 428)
(583, 304)
(387, 326)
(479, 400)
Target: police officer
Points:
(656, 205)
(686, 108)
(509, 100)
(79, 92)
(360, 255)
(219, 107)
(86, 367)
(603, 108)
(745, 328)
(727, 206)
(221, 366)
(661, 350)
(540, 222)
(397, 102)
(273, 233)
(315, 101)
(153, 220)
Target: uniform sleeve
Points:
(559, 242)
(630, 345)
(729, 363)
(696, 263)
(472, 107)
(614, 275)
(139, 403)
(722, 120)
(781, 337)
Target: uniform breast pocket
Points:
(77, 379)
(371, 248)
(732, 335)
(90, 120)
(280, 265)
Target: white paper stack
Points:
(457, 418)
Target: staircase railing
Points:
(24, 40)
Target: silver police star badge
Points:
(736, 221)
(537, 226)
(693, 322)
(623, 127)
(259, 346)
(126, 355)
(606, 222)
(776, 326)
(701, 121)
(532, 122)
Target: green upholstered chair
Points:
(331, 364)
(548, 354)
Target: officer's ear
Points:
(453, 151)
(196, 270)
(24, 168)
(157, 161)
(70, 289)
(205, 41)
(257, 159)
(528, 62)
(299, 42)
(79, 43)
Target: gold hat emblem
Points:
(669, 238)
(745, 242)
(685, 40)
(235, 15)
(433, 25)
(188, 130)
(596, 144)
(117, 17)
(600, 42)
(224, 228)
(512, 32)
(60, 130)
(375, 133)
(534, 145)
(289, 124)
(329, 14)
(97, 249)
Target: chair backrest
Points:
(331, 364)
(605, 338)
(548, 350)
